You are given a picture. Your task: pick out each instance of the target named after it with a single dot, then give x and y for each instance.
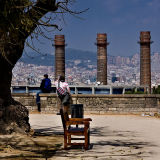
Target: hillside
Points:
(48, 59)
(74, 54)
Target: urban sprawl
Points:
(120, 71)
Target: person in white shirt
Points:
(61, 82)
(65, 99)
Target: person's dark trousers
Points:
(38, 101)
(39, 107)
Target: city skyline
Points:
(121, 20)
(78, 71)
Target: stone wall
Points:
(96, 104)
(28, 100)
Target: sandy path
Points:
(112, 137)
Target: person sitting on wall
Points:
(45, 87)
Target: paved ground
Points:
(112, 137)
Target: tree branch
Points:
(37, 12)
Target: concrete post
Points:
(123, 90)
(111, 90)
(93, 90)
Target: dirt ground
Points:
(20, 147)
(113, 137)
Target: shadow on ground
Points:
(57, 130)
(23, 147)
(47, 142)
(109, 144)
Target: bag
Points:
(66, 99)
(61, 92)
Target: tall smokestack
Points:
(59, 55)
(145, 60)
(102, 58)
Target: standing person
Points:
(63, 91)
(45, 88)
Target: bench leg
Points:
(89, 136)
(86, 141)
(69, 139)
(65, 141)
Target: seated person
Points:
(45, 88)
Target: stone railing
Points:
(95, 104)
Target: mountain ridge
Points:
(70, 54)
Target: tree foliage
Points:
(135, 91)
(22, 18)
(156, 90)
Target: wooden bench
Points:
(70, 129)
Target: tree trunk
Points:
(13, 115)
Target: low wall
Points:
(28, 100)
(96, 104)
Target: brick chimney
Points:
(102, 58)
(59, 43)
(145, 60)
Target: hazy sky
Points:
(122, 20)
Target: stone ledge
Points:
(93, 95)
(96, 104)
